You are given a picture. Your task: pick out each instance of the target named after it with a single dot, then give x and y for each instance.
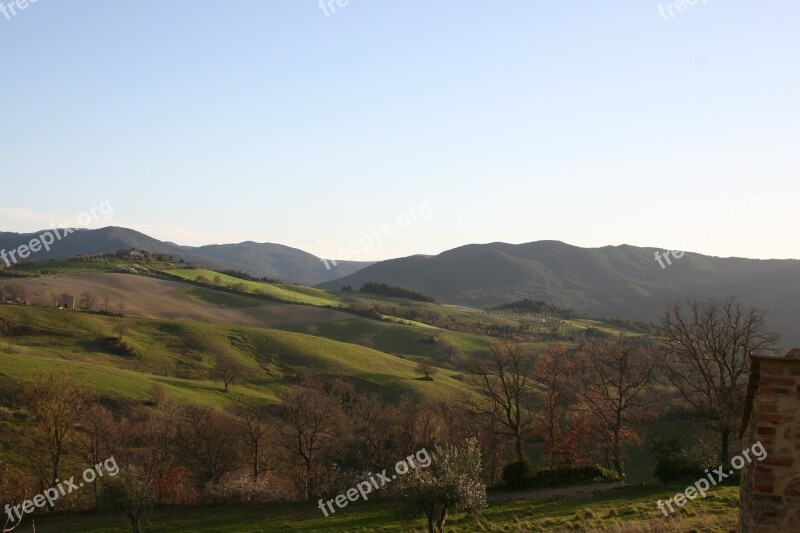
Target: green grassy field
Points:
(628, 509)
(278, 291)
(81, 265)
(420, 341)
(176, 354)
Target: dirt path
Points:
(578, 492)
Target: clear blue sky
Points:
(593, 123)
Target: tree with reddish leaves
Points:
(554, 371)
(614, 379)
(176, 487)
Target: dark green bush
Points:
(679, 463)
(573, 476)
(521, 475)
(518, 475)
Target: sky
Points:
(427, 125)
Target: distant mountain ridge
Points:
(270, 260)
(612, 281)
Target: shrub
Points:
(573, 476)
(519, 474)
(678, 463)
(240, 487)
(117, 346)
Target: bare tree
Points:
(414, 424)
(253, 423)
(88, 300)
(57, 402)
(425, 369)
(99, 429)
(8, 332)
(227, 368)
(372, 429)
(121, 328)
(16, 293)
(206, 435)
(310, 419)
(505, 387)
(613, 380)
(496, 445)
(706, 358)
(148, 449)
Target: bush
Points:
(117, 346)
(573, 476)
(677, 463)
(519, 474)
(240, 487)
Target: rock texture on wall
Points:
(770, 490)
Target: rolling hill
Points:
(612, 281)
(270, 260)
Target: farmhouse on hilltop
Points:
(770, 489)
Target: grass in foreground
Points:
(628, 509)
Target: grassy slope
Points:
(80, 266)
(630, 509)
(176, 353)
(280, 291)
(405, 339)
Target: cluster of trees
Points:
(528, 305)
(383, 289)
(14, 292)
(592, 404)
(584, 406)
(17, 293)
(319, 441)
(248, 277)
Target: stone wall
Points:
(770, 492)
